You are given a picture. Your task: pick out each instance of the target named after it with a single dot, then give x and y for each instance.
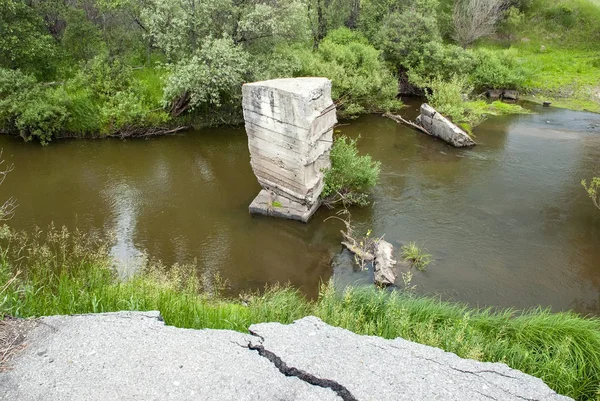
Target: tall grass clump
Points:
(63, 272)
(417, 256)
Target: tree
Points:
(24, 40)
(474, 19)
(179, 27)
(405, 34)
(213, 76)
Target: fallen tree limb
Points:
(401, 120)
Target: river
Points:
(507, 222)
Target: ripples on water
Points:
(507, 221)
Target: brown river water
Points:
(507, 222)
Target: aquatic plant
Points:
(65, 272)
(419, 258)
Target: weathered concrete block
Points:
(438, 125)
(289, 123)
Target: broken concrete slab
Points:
(439, 126)
(289, 123)
(134, 356)
(372, 368)
(271, 204)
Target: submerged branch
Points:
(401, 120)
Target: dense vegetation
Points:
(129, 67)
(351, 176)
(61, 272)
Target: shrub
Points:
(351, 176)
(212, 77)
(497, 69)
(361, 81)
(404, 35)
(443, 61)
(446, 96)
(29, 109)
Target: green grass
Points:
(63, 272)
(567, 71)
(417, 256)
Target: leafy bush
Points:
(211, 77)
(405, 34)
(351, 176)
(442, 61)
(446, 96)
(361, 81)
(498, 69)
(28, 109)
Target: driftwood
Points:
(146, 132)
(401, 120)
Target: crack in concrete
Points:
(476, 373)
(339, 389)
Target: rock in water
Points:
(289, 123)
(438, 125)
(384, 265)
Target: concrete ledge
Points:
(269, 204)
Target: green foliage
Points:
(442, 61)
(405, 34)
(449, 98)
(361, 81)
(498, 69)
(28, 109)
(563, 23)
(417, 256)
(24, 41)
(593, 190)
(66, 272)
(81, 36)
(351, 176)
(212, 77)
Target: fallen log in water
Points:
(401, 120)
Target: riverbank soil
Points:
(133, 355)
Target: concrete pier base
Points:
(289, 123)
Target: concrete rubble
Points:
(439, 126)
(384, 264)
(289, 123)
(135, 356)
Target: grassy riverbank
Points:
(66, 273)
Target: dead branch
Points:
(401, 120)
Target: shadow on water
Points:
(507, 221)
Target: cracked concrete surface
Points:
(134, 356)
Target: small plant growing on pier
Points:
(351, 175)
(419, 258)
(593, 190)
